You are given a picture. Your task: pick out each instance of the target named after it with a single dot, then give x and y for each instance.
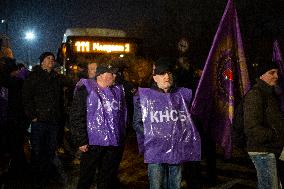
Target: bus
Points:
(81, 46)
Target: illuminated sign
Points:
(87, 46)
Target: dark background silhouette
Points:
(160, 23)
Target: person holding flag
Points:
(166, 134)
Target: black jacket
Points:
(16, 111)
(78, 116)
(263, 121)
(43, 96)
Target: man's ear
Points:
(155, 78)
(98, 76)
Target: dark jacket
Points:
(130, 91)
(16, 111)
(43, 96)
(263, 122)
(187, 78)
(78, 116)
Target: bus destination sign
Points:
(101, 47)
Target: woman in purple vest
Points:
(165, 132)
(98, 120)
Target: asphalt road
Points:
(236, 173)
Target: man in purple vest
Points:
(165, 131)
(98, 120)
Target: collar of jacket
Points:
(51, 73)
(264, 86)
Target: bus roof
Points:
(100, 32)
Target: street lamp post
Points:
(3, 21)
(29, 36)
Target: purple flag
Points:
(223, 82)
(277, 57)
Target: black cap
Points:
(163, 65)
(263, 67)
(103, 68)
(44, 55)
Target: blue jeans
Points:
(164, 176)
(266, 169)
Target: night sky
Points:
(160, 23)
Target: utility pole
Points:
(3, 21)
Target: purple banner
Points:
(224, 80)
(277, 57)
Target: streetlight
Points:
(29, 36)
(3, 21)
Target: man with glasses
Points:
(165, 132)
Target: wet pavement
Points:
(236, 173)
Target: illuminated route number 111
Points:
(85, 46)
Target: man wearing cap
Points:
(166, 134)
(98, 120)
(264, 125)
(42, 100)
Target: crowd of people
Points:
(169, 137)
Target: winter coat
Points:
(78, 115)
(43, 96)
(263, 121)
(16, 111)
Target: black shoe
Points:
(37, 186)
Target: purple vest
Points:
(106, 114)
(169, 133)
(23, 73)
